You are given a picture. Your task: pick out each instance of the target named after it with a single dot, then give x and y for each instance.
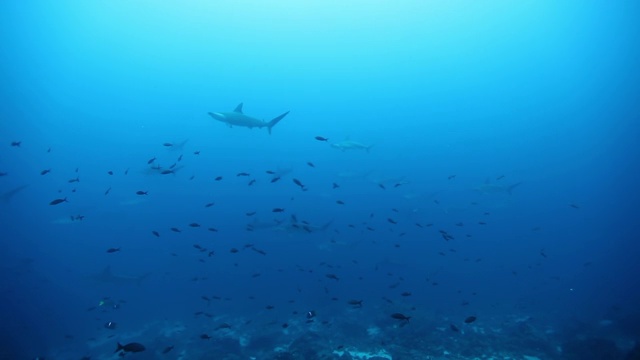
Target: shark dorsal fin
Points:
(238, 108)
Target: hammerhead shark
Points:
(295, 226)
(238, 118)
(108, 277)
(489, 188)
(347, 144)
(6, 196)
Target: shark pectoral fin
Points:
(273, 122)
(238, 108)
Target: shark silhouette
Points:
(238, 118)
(6, 196)
(108, 277)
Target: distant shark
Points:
(489, 188)
(6, 196)
(295, 226)
(347, 144)
(258, 225)
(237, 118)
(108, 277)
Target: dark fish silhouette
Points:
(155, 233)
(58, 201)
(321, 138)
(167, 349)
(130, 347)
(470, 319)
(399, 316)
(45, 172)
(112, 250)
(140, 192)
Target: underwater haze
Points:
(301, 180)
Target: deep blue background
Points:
(541, 93)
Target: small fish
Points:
(179, 158)
(126, 172)
(107, 191)
(243, 174)
(58, 201)
(500, 177)
(175, 229)
(322, 138)
(140, 192)
(112, 250)
(209, 205)
(275, 179)
(150, 161)
(167, 144)
(399, 316)
(335, 186)
(392, 221)
(218, 178)
(212, 229)
(451, 177)
(250, 213)
(233, 250)
(16, 143)
(253, 181)
(167, 172)
(197, 152)
(405, 294)
(333, 277)
(3, 174)
(355, 303)
(155, 233)
(45, 172)
(339, 202)
(574, 206)
(194, 225)
(310, 164)
(454, 328)
(275, 210)
(110, 172)
(167, 349)
(205, 337)
(71, 181)
(222, 326)
(470, 319)
(299, 183)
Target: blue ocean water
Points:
(454, 180)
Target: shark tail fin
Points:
(369, 147)
(273, 122)
(511, 187)
(142, 278)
